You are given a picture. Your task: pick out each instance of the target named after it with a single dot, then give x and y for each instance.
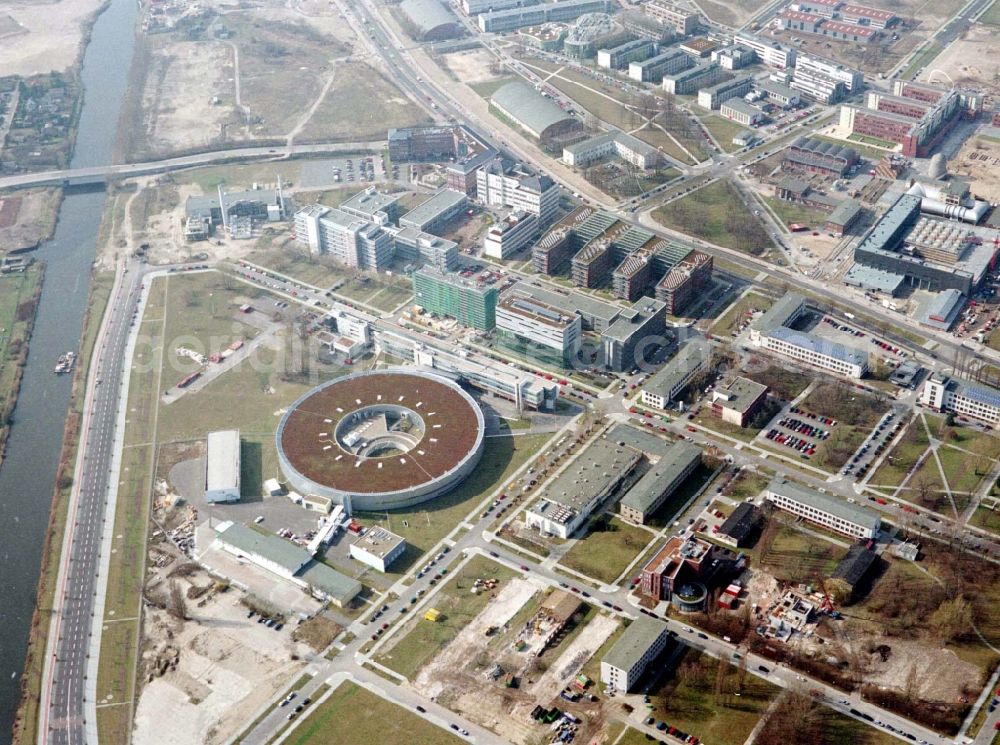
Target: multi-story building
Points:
(699, 47)
(511, 19)
(517, 188)
(378, 548)
(637, 332)
(734, 57)
(433, 214)
(853, 80)
(350, 240)
(421, 143)
(864, 16)
(825, 8)
(653, 69)
(462, 174)
(681, 20)
(688, 274)
(690, 80)
(819, 156)
(660, 482)
(770, 53)
(643, 641)
(738, 400)
(621, 144)
(914, 122)
(475, 7)
(412, 245)
(779, 93)
(514, 232)
(714, 96)
(379, 207)
(738, 110)
(538, 330)
(619, 57)
(685, 563)
(693, 357)
(952, 395)
(450, 294)
(824, 509)
(817, 86)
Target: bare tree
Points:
(177, 603)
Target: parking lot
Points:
(800, 430)
(875, 444)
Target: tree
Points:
(952, 619)
(176, 603)
(720, 679)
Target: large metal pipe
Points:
(930, 201)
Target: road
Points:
(97, 174)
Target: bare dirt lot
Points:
(472, 66)
(969, 61)
(221, 667)
(979, 163)
(41, 37)
(26, 218)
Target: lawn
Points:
(488, 87)
(723, 130)
(790, 212)
(353, 715)
(795, 556)
(609, 547)
(903, 456)
(785, 383)
(17, 315)
(747, 484)
(458, 606)
(686, 700)
(986, 519)
(716, 213)
(737, 313)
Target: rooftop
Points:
(528, 107)
(739, 393)
(430, 210)
(570, 301)
(641, 634)
(379, 541)
(366, 203)
(650, 487)
(690, 356)
(818, 344)
(845, 213)
(289, 556)
(827, 503)
(634, 319)
(781, 313)
(537, 311)
(427, 14)
(223, 454)
(853, 567)
(328, 580)
(741, 522)
(602, 463)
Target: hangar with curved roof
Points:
(381, 440)
(431, 20)
(532, 112)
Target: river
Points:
(27, 477)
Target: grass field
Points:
(686, 700)
(789, 213)
(716, 213)
(723, 130)
(903, 456)
(736, 314)
(795, 556)
(986, 519)
(353, 715)
(17, 314)
(784, 382)
(606, 551)
(458, 607)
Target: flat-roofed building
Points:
(619, 57)
(959, 397)
(348, 239)
(653, 69)
(853, 80)
(835, 513)
(834, 357)
(660, 482)
(475, 7)
(620, 144)
(643, 641)
(739, 528)
(683, 563)
(538, 330)
(573, 496)
(783, 312)
(770, 53)
(636, 333)
(408, 144)
(690, 80)
(517, 187)
(734, 57)
(681, 20)
(738, 110)
(413, 245)
(699, 48)
(431, 215)
(844, 217)
(449, 294)
(714, 96)
(378, 548)
(597, 315)
(817, 86)
(222, 466)
(779, 93)
(379, 207)
(738, 400)
(693, 357)
(511, 234)
(511, 19)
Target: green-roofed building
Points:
(627, 660)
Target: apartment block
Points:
(653, 69)
(714, 96)
(449, 294)
(683, 21)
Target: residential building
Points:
(740, 111)
(681, 20)
(449, 294)
(222, 466)
(958, 397)
(432, 215)
(619, 57)
(518, 188)
(511, 19)
(912, 121)
(693, 357)
(621, 144)
(660, 482)
(714, 96)
(350, 240)
(643, 641)
(690, 80)
(653, 69)
(511, 234)
(572, 497)
(378, 548)
(737, 401)
(770, 53)
(740, 527)
(636, 333)
(835, 513)
(538, 330)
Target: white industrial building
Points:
(824, 509)
(378, 548)
(643, 641)
(621, 144)
(949, 394)
(517, 188)
(770, 53)
(351, 240)
(222, 466)
(738, 110)
(505, 238)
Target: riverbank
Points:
(19, 294)
(26, 719)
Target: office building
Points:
(596, 315)
(617, 144)
(511, 19)
(636, 334)
(432, 215)
(965, 399)
(511, 234)
(714, 96)
(817, 86)
(619, 57)
(378, 548)
(734, 57)
(518, 188)
(572, 497)
(417, 144)
(222, 466)
(688, 273)
(681, 570)
(832, 512)
(819, 156)
(537, 330)
(911, 121)
(690, 80)
(681, 20)
(350, 240)
(737, 401)
(779, 93)
(698, 48)
(853, 80)
(372, 205)
(738, 110)
(660, 482)
(653, 69)
(448, 294)
(770, 53)
(475, 7)
(663, 388)
(643, 641)
(414, 245)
